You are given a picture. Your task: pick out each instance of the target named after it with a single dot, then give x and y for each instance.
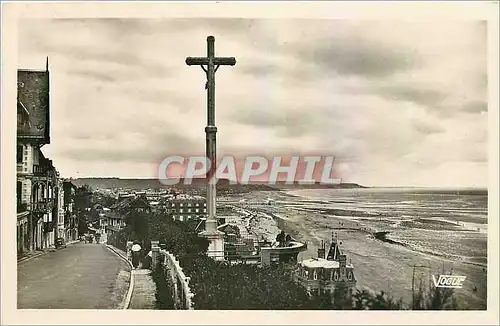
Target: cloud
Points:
(475, 107)
(349, 57)
(386, 99)
(418, 95)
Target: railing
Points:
(42, 206)
(182, 295)
(39, 169)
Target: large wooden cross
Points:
(212, 63)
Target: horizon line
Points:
(349, 182)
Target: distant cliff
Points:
(222, 184)
(347, 185)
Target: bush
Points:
(164, 293)
(220, 286)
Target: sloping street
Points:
(81, 276)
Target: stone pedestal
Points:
(216, 243)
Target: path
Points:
(81, 276)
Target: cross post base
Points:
(216, 244)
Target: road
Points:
(81, 276)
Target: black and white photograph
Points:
(251, 163)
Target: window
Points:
(197, 210)
(19, 191)
(19, 153)
(204, 210)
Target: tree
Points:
(364, 300)
(435, 299)
(83, 199)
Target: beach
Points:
(386, 234)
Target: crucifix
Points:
(212, 64)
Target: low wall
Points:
(181, 292)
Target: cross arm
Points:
(196, 61)
(221, 61)
(218, 61)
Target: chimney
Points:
(321, 250)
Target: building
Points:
(70, 217)
(184, 207)
(37, 185)
(115, 218)
(326, 274)
(111, 222)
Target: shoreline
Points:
(381, 263)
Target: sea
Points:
(428, 230)
(451, 223)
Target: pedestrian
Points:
(280, 238)
(136, 250)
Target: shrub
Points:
(219, 285)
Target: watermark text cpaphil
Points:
(298, 169)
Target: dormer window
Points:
(22, 115)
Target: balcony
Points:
(43, 206)
(40, 207)
(39, 170)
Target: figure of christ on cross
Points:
(212, 63)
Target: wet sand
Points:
(379, 264)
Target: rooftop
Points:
(322, 263)
(33, 98)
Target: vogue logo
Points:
(449, 281)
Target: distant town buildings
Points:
(186, 207)
(40, 203)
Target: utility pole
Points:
(212, 64)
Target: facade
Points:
(40, 211)
(326, 273)
(184, 208)
(110, 223)
(70, 218)
(38, 188)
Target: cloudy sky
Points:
(397, 104)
